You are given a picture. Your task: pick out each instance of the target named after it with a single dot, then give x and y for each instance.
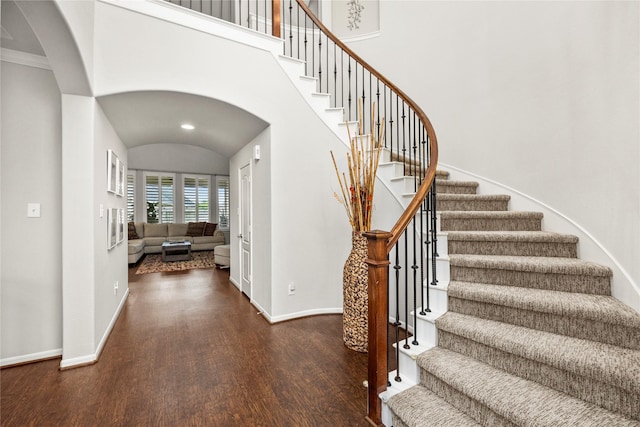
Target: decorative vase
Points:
(355, 281)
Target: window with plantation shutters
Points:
(131, 197)
(222, 189)
(196, 198)
(159, 197)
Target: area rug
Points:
(152, 263)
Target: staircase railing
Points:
(410, 139)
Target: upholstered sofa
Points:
(148, 238)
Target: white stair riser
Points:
(386, 171)
(293, 68)
(334, 114)
(405, 184)
(426, 332)
(442, 270)
(306, 85)
(320, 102)
(437, 298)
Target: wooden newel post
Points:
(378, 261)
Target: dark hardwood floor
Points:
(190, 350)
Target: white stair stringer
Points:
(395, 388)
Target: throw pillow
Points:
(209, 229)
(133, 234)
(195, 229)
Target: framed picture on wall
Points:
(112, 227)
(120, 178)
(120, 225)
(112, 171)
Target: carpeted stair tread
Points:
(490, 214)
(586, 316)
(472, 202)
(511, 236)
(602, 362)
(552, 265)
(453, 196)
(520, 401)
(601, 308)
(490, 220)
(417, 406)
(440, 174)
(457, 187)
(520, 243)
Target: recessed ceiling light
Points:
(187, 126)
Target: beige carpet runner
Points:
(532, 336)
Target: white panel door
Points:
(245, 229)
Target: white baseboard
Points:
(306, 313)
(235, 283)
(107, 332)
(92, 358)
(78, 361)
(33, 357)
(261, 310)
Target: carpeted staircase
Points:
(531, 338)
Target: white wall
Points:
(110, 265)
(542, 97)
(309, 236)
(31, 280)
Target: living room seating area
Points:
(145, 238)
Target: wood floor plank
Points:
(189, 349)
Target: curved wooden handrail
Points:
(430, 173)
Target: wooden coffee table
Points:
(176, 251)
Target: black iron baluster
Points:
(290, 29)
(378, 106)
(342, 78)
(335, 77)
(320, 61)
(424, 241)
(298, 25)
(364, 104)
(397, 267)
(434, 238)
(327, 65)
(406, 345)
(404, 141)
(391, 119)
(356, 92)
(414, 267)
(349, 95)
(306, 70)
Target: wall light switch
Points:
(101, 210)
(33, 210)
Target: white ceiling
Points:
(141, 118)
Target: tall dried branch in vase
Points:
(362, 165)
(357, 199)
